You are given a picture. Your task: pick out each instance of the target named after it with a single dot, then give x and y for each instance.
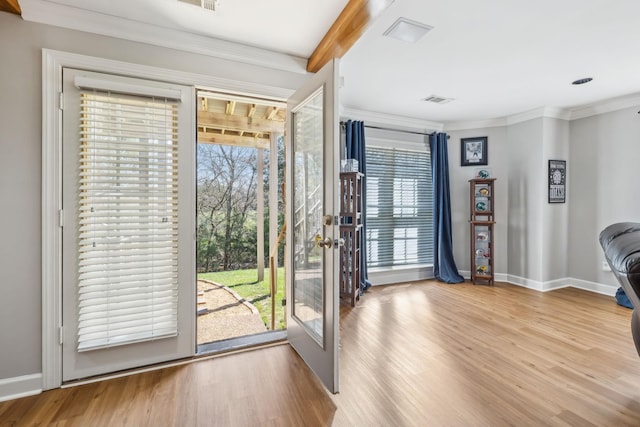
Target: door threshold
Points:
(205, 351)
(241, 343)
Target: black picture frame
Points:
(473, 151)
(557, 181)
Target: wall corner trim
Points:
(23, 386)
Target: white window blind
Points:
(399, 211)
(128, 231)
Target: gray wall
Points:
(603, 176)
(533, 239)
(20, 161)
(498, 161)
(555, 216)
(526, 195)
(546, 242)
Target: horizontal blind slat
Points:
(128, 222)
(399, 207)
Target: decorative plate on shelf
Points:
(481, 206)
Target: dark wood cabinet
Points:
(350, 229)
(482, 222)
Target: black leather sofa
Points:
(621, 245)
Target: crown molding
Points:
(46, 12)
(475, 124)
(602, 107)
(606, 106)
(391, 119)
(557, 113)
(537, 113)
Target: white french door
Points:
(128, 268)
(313, 137)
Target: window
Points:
(399, 204)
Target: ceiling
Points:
(238, 121)
(496, 58)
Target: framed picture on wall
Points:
(473, 151)
(557, 181)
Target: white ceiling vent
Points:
(407, 30)
(435, 99)
(211, 5)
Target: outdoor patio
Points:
(223, 314)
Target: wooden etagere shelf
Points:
(350, 229)
(481, 222)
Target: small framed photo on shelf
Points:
(473, 151)
(557, 181)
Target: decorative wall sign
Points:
(473, 151)
(557, 181)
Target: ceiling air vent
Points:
(437, 99)
(407, 30)
(205, 4)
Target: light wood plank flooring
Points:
(421, 354)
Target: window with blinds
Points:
(128, 230)
(399, 211)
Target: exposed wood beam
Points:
(252, 110)
(239, 123)
(271, 112)
(11, 6)
(238, 141)
(231, 106)
(345, 31)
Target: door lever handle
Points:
(324, 243)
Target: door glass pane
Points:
(308, 208)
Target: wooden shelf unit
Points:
(350, 229)
(481, 225)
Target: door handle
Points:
(324, 243)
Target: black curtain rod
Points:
(395, 130)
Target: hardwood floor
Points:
(421, 354)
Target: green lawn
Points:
(245, 283)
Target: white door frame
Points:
(52, 64)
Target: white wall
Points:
(603, 173)
(459, 176)
(20, 161)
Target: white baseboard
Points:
(400, 275)
(552, 285)
(525, 283)
(566, 282)
(26, 385)
(598, 288)
(395, 276)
